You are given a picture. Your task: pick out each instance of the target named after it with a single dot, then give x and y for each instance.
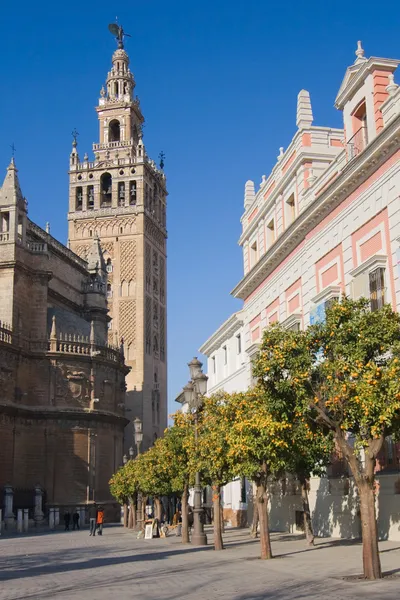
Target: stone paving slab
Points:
(74, 566)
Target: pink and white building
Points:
(325, 222)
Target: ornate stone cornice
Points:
(352, 176)
(224, 332)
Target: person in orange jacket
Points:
(100, 520)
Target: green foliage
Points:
(124, 483)
(212, 457)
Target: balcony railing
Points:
(4, 236)
(357, 143)
(113, 145)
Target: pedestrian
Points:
(75, 520)
(92, 519)
(100, 520)
(67, 519)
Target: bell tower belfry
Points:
(120, 197)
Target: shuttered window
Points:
(377, 288)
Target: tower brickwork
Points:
(121, 197)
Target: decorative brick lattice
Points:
(127, 320)
(155, 314)
(147, 267)
(128, 261)
(148, 325)
(154, 233)
(82, 250)
(162, 280)
(108, 247)
(162, 333)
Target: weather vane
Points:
(119, 34)
(161, 156)
(13, 149)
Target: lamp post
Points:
(138, 437)
(194, 391)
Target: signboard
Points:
(148, 532)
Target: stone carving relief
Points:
(72, 383)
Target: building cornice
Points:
(223, 332)
(305, 153)
(53, 413)
(352, 176)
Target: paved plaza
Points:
(117, 566)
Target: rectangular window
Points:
(290, 210)
(121, 193)
(239, 343)
(253, 254)
(243, 497)
(377, 288)
(270, 233)
(79, 198)
(225, 351)
(90, 197)
(132, 193)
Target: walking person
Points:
(100, 520)
(75, 521)
(67, 519)
(92, 519)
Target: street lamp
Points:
(125, 459)
(138, 436)
(138, 433)
(194, 391)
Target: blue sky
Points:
(218, 83)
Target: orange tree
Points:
(282, 353)
(347, 380)
(258, 448)
(178, 452)
(124, 486)
(154, 474)
(212, 454)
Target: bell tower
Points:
(120, 197)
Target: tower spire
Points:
(10, 193)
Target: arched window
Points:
(132, 193)
(109, 266)
(109, 290)
(105, 185)
(121, 193)
(114, 131)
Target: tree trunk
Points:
(371, 560)
(222, 514)
(254, 525)
(158, 508)
(185, 520)
(132, 514)
(364, 477)
(144, 515)
(125, 509)
(218, 542)
(308, 530)
(262, 502)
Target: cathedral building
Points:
(62, 410)
(83, 327)
(121, 197)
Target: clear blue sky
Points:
(218, 82)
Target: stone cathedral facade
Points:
(121, 197)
